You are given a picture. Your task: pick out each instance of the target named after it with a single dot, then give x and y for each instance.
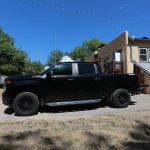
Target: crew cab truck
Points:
(70, 83)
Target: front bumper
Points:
(5, 99)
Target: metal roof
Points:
(146, 66)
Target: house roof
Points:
(146, 66)
(138, 39)
(102, 45)
(66, 59)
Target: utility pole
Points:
(55, 45)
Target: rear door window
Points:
(86, 68)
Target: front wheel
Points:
(120, 98)
(26, 104)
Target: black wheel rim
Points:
(123, 98)
(26, 104)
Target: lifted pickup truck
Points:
(68, 84)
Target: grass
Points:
(108, 132)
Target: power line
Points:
(79, 11)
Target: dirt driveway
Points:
(139, 103)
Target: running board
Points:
(92, 101)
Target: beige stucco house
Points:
(126, 55)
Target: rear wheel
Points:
(121, 98)
(26, 104)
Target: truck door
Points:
(88, 81)
(62, 83)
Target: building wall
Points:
(135, 56)
(147, 81)
(91, 58)
(123, 43)
(117, 44)
(142, 43)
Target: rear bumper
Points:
(142, 87)
(5, 99)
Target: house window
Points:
(143, 54)
(116, 56)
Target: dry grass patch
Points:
(120, 131)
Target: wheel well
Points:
(121, 88)
(109, 93)
(34, 91)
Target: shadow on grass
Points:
(33, 140)
(36, 140)
(139, 139)
(140, 136)
(99, 141)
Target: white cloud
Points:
(121, 7)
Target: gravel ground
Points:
(139, 103)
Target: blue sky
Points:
(40, 26)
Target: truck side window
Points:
(86, 68)
(62, 69)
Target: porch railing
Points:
(113, 67)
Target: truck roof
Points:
(77, 62)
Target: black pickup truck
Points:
(68, 84)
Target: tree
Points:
(78, 53)
(12, 59)
(92, 45)
(87, 48)
(33, 67)
(55, 56)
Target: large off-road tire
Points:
(26, 104)
(120, 98)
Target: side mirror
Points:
(49, 74)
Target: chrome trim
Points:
(74, 102)
(73, 69)
(76, 69)
(95, 67)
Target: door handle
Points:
(96, 78)
(70, 79)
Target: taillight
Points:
(8, 81)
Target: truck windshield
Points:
(47, 70)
